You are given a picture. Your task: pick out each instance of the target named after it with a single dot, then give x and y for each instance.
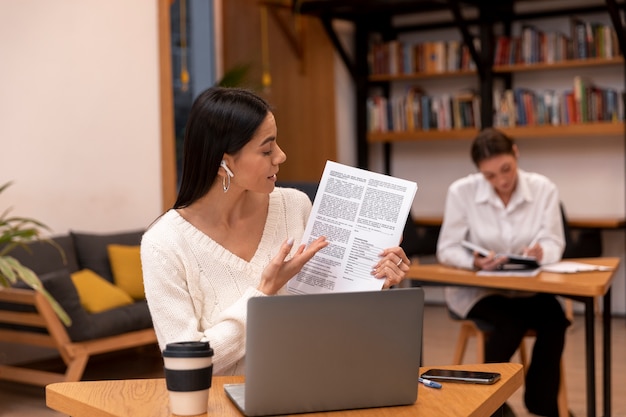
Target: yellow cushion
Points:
(126, 267)
(96, 293)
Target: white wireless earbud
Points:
(228, 171)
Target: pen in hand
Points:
(532, 248)
(429, 383)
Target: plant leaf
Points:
(17, 231)
(4, 282)
(30, 278)
(235, 76)
(6, 270)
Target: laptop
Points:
(332, 351)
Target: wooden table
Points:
(149, 398)
(581, 286)
(578, 223)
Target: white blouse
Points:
(474, 212)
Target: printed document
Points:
(361, 213)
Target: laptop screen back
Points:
(334, 351)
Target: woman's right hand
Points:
(489, 262)
(278, 272)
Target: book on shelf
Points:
(397, 114)
(377, 113)
(396, 57)
(413, 108)
(500, 54)
(442, 109)
(466, 109)
(531, 41)
(453, 59)
(593, 39)
(568, 111)
(580, 43)
(552, 105)
(504, 108)
(557, 47)
(582, 87)
(524, 100)
(426, 112)
(408, 58)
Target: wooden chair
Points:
(25, 327)
(479, 330)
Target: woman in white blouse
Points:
(507, 210)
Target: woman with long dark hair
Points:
(230, 235)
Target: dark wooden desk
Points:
(149, 397)
(581, 286)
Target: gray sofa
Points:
(84, 251)
(26, 317)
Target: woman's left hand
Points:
(392, 266)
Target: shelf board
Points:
(454, 134)
(420, 75)
(571, 63)
(579, 129)
(503, 69)
(548, 131)
(578, 223)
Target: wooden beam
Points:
(166, 94)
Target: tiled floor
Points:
(17, 400)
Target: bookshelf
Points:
(371, 17)
(415, 115)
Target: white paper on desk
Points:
(570, 267)
(361, 213)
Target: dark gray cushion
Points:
(91, 249)
(119, 320)
(43, 257)
(60, 286)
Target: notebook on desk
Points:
(334, 351)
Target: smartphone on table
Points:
(466, 376)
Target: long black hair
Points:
(222, 120)
(491, 142)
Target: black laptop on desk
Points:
(323, 352)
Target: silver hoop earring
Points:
(225, 185)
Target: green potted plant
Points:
(15, 232)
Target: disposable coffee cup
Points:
(188, 375)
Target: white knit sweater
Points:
(198, 290)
